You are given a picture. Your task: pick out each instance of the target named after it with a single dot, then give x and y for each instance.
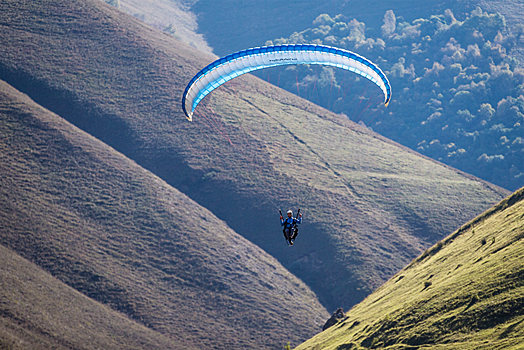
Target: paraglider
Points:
(290, 226)
(245, 61)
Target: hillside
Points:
(370, 205)
(121, 236)
(39, 312)
(463, 293)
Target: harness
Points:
(288, 224)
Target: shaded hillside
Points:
(370, 205)
(466, 292)
(39, 312)
(123, 237)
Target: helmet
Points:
(290, 212)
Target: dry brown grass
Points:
(39, 312)
(124, 238)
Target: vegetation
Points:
(132, 241)
(232, 25)
(370, 205)
(474, 300)
(458, 96)
(115, 3)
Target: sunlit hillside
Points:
(463, 293)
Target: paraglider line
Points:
(209, 123)
(376, 114)
(296, 77)
(367, 106)
(351, 103)
(359, 102)
(345, 94)
(329, 96)
(217, 127)
(251, 159)
(316, 88)
(305, 93)
(372, 102)
(371, 120)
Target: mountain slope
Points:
(464, 293)
(123, 237)
(39, 312)
(370, 205)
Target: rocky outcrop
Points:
(336, 317)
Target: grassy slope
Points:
(371, 205)
(464, 293)
(39, 312)
(118, 234)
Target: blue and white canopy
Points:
(242, 62)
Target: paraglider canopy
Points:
(242, 62)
